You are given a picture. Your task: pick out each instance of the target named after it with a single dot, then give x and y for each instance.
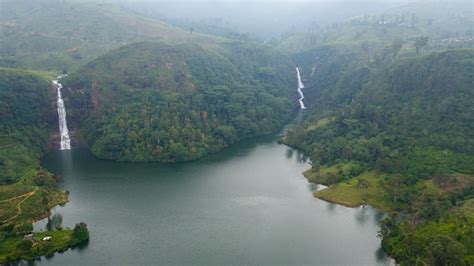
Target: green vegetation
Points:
(15, 247)
(411, 122)
(361, 190)
(444, 25)
(27, 108)
(27, 192)
(392, 128)
(328, 175)
(449, 240)
(386, 125)
(62, 36)
(155, 102)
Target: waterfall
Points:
(65, 141)
(300, 86)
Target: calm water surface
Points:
(247, 205)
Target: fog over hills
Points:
(236, 132)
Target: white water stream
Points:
(63, 130)
(300, 86)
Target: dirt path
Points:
(8, 145)
(18, 206)
(17, 197)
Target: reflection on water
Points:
(247, 205)
(331, 207)
(54, 222)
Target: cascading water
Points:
(300, 86)
(65, 141)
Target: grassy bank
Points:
(23, 202)
(363, 189)
(31, 198)
(329, 175)
(16, 246)
(431, 221)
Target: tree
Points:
(80, 233)
(446, 251)
(396, 46)
(23, 228)
(420, 43)
(25, 245)
(366, 49)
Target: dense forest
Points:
(411, 121)
(28, 192)
(25, 123)
(390, 118)
(156, 102)
(390, 123)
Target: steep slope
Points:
(27, 112)
(156, 102)
(27, 192)
(402, 141)
(422, 101)
(62, 35)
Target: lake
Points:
(247, 205)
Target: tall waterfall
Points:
(65, 141)
(300, 86)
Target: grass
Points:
(8, 209)
(60, 241)
(15, 190)
(468, 207)
(320, 123)
(364, 189)
(38, 40)
(25, 201)
(367, 189)
(47, 75)
(38, 205)
(328, 175)
(456, 181)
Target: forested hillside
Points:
(27, 113)
(390, 118)
(156, 102)
(447, 24)
(27, 192)
(399, 137)
(426, 100)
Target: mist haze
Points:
(236, 132)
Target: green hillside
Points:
(27, 192)
(156, 102)
(447, 24)
(410, 122)
(63, 35)
(27, 108)
(390, 118)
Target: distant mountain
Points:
(262, 20)
(448, 25)
(62, 35)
